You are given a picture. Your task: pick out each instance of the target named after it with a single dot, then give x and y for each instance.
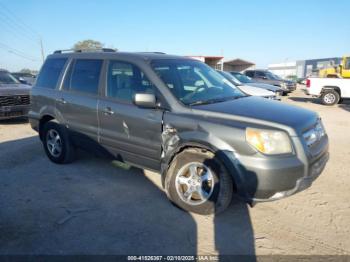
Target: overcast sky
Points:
(259, 31)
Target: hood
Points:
(14, 89)
(263, 109)
(255, 91)
(266, 86)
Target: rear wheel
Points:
(56, 143)
(197, 182)
(330, 97)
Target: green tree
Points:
(88, 44)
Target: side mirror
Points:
(199, 83)
(263, 77)
(145, 100)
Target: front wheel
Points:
(330, 97)
(197, 182)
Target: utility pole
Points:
(222, 59)
(42, 49)
(285, 65)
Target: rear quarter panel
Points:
(42, 102)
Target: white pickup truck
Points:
(330, 90)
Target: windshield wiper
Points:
(214, 100)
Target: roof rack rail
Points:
(84, 50)
(160, 53)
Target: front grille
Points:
(12, 114)
(15, 100)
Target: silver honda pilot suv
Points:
(181, 118)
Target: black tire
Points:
(330, 97)
(67, 152)
(221, 182)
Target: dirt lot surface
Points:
(95, 207)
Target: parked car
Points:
(243, 79)
(25, 78)
(250, 90)
(265, 76)
(179, 117)
(14, 97)
(329, 90)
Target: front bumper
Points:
(291, 87)
(302, 183)
(7, 112)
(262, 179)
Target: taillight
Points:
(308, 82)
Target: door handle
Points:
(61, 100)
(108, 111)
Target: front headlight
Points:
(315, 134)
(269, 142)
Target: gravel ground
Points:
(94, 206)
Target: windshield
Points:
(242, 78)
(193, 82)
(230, 77)
(272, 76)
(7, 78)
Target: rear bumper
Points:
(7, 112)
(34, 123)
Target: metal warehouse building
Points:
(302, 68)
(217, 62)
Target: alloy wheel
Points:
(194, 183)
(54, 143)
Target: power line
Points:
(17, 52)
(18, 20)
(13, 23)
(15, 32)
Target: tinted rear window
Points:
(85, 76)
(50, 72)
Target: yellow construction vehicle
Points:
(337, 71)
